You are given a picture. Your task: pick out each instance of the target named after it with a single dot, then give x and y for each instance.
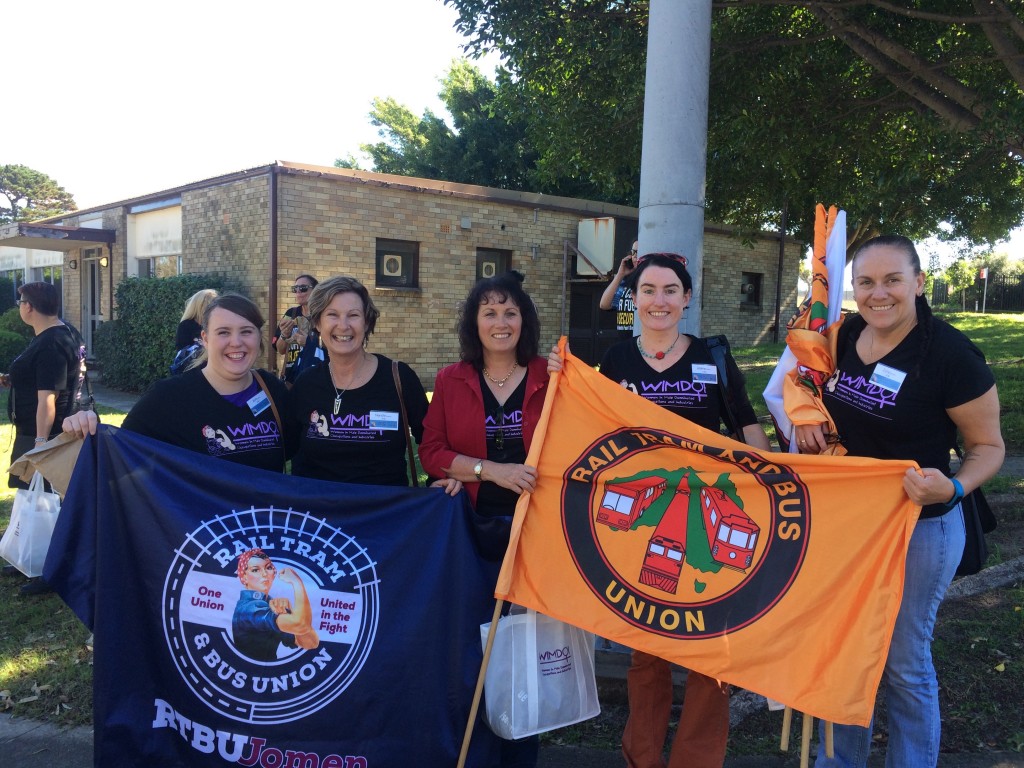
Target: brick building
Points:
(417, 244)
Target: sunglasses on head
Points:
(672, 256)
(301, 288)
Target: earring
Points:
(319, 339)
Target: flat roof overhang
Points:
(54, 237)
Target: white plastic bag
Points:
(540, 676)
(33, 517)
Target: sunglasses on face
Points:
(301, 288)
(673, 256)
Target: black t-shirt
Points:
(364, 442)
(689, 388)
(294, 349)
(188, 331)
(900, 414)
(187, 412)
(50, 362)
(503, 428)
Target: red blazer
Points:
(454, 423)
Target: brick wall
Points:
(328, 223)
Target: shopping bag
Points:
(27, 537)
(540, 676)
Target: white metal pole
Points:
(674, 161)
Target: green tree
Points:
(483, 146)
(960, 276)
(31, 195)
(905, 117)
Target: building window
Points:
(159, 266)
(491, 262)
(398, 263)
(750, 289)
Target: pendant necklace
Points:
(657, 355)
(339, 392)
(501, 382)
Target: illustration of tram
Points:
(732, 535)
(663, 562)
(623, 503)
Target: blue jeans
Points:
(912, 690)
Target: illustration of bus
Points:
(623, 503)
(732, 535)
(663, 562)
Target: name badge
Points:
(383, 420)
(705, 374)
(889, 379)
(258, 403)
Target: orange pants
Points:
(703, 725)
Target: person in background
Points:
(662, 289)
(201, 409)
(293, 332)
(190, 327)
(935, 383)
(482, 418)
(617, 297)
(42, 381)
(348, 412)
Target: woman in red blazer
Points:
(481, 421)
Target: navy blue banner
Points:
(244, 617)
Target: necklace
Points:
(339, 392)
(657, 355)
(501, 383)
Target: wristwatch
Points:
(478, 469)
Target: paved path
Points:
(28, 744)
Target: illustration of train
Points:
(732, 535)
(623, 503)
(663, 562)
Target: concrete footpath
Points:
(29, 744)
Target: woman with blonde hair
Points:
(191, 326)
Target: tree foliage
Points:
(483, 145)
(960, 276)
(31, 195)
(905, 117)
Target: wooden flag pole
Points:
(480, 683)
(805, 741)
(787, 724)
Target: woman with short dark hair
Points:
(43, 377)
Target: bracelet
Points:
(41, 439)
(958, 493)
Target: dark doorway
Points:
(591, 329)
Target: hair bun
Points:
(515, 274)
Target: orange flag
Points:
(779, 573)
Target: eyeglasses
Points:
(19, 302)
(632, 251)
(499, 434)
(672, 256)
(301, 288)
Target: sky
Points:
(119, 98)
(115, 99)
